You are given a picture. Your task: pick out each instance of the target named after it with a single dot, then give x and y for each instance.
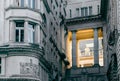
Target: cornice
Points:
(32, 51)
(83, 19)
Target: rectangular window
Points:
(31, 3)
(90, 10)
(22, 3)
(77, 11)
(82, 12)
(70, 13)
(98, 9)
(86, 11)
(19, 32)
(31, 33)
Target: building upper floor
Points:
(80, 8)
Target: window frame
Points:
(20, 28)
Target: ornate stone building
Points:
(31, 42)
(59, 40)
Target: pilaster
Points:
(12, 31)
(96, 47)
(74, 63)
(26, 31)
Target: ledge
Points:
(21, 49)
(83, 19)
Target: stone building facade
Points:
(85, 23)
(31, 42)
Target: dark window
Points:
(98, 9)
(22, 36)
(19, 32)
(90, 10)
(77, 10)
(86, 11)
(82, 11)
(17, 35)
(70, 13)
(0, 65)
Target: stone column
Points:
(12, 31)
(12, 3)
(26, 3)
(37, 34)
(78, 53)
(96, 47)
(26, 31)
(74, 63)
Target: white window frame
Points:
(19, 29)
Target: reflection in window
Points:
(30, 33)
(31, 3)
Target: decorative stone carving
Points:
(29, 69)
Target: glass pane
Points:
(17, 35)
(90, 10)
(22, 36)
(77, 11)
(33, 4)
(0, 69)
(86, 11)
(29, 3)
(82, 11)
(86, 47)
(22, 3)
(19, 24)
(0, 60)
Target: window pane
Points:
(98, 8)
(90, 10)
(17, 35)
(86, 11)
(22, 36)
(19, 24)
(0, 60)
(70, 13)
(29, 3)
(82, 11)
(77, 11)
(33, 4)
(0, 69)
(22, 3)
